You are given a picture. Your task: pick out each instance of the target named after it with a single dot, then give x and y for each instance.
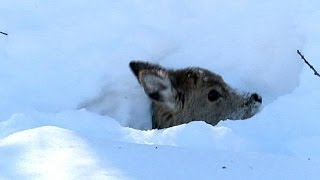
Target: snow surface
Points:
(62, 56)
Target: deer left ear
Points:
(155, 82)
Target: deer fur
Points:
(191, 94)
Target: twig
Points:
(302, 57)
(4, 33)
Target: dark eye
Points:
(213, 95)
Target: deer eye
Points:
(213, 95)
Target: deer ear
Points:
(137, 66)
(155, 82)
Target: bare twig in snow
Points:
(311, 67)
(3, 33)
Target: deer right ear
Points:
(138, 66)
(155, 82)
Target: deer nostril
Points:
(256, 97)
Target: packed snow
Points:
(72, 109)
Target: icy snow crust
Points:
(62, 56)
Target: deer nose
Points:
(256, 97)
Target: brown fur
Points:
(182, 96)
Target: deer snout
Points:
(255, 97)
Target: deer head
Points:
(191, 94)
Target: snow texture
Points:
(71, 108)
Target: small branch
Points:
(311, 67)
(3, 33)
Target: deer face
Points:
(192, 94)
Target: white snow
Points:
(60, 56)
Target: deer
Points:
(191, 94)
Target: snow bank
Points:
(92, 150)
(59, 54)
(55, 153)
(68, 97)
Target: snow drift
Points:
(61, 56)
